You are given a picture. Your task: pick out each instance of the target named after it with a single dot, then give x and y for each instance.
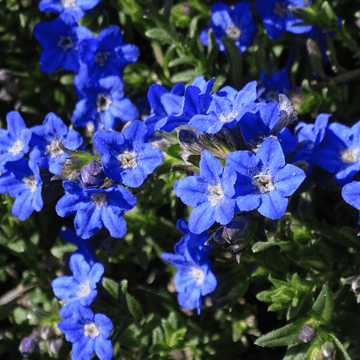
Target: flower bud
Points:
(328, 350)
(308, 333)
(92, 174)
(29, 347)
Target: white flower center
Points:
(65, 43)
(103, 102)
(349, 156)
(53, 148)
(198, 275)
(279, 9)
(228, 117)
(216, 194)
(233, 32)
(99, 199)
(84, 289)
(17, 147)
(30, 183)
(68, 3)
(263, 182)
(91, 330)
(128, 159)
(101, 57)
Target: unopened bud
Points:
(328, 350)
(92, 174)
(308, 333)
(29, 347)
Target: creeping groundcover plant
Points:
(180, 180)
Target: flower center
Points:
(128, 159)
(101, 57)
(216, 194)
(99, 199)
(17, 147)
(53, 148)
(263, 182)
(65, 43)
(233, 32)
(30, 183)
(228, 117)
(68, 3)
(84, 289)
(91, 330)
(198, 275)
(279, 9)
(103, 102)
(349, 156)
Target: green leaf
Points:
(179, 61)
(261, 246)
(323, 309)
(159, 34)
(341, 353)
(286, 336)
(297, 352)
(235, 59)
(176, 337)
(132, 8)
(185, 76)
(129, 302)
(111, 286)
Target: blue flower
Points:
(194, 278)
(339, 152)
(127, 156)
(76, 8)
(59, 40)
(95, 208)
(82, 285)
(317, 34)
(278, 18)
(264, 181)
(105, 55)
(22, 180)
(14, 142)
(236, 24)
(210, 194)
(351, 194)
(89, 333)
(312, 134)
(195, 102)
(163, 104)
(223, 111)
(46, 140)
(103, 101)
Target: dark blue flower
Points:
(224, 110)
(210, 194)
(264, 181)
(194, 278)
(46, 140)
(351, 194)
(14, 142)
(103, 101)
(76, 8)
(236, 24)
(278, 18)
(339, 152)
(127, 156)
(95, 208)
(22, 180)
(59, 40)
(105, 55)
(163, 104)
(82, 285)
(89, 333)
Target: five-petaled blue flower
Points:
(22, 180)
(278, 18)
(127, 156)
(235, 24)
(194, 278)
(89, 333)
(46, 140)
(95, 208)
(264, 181)
(104, 101)
(59, 40)
(14, 142)
(210, 193)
